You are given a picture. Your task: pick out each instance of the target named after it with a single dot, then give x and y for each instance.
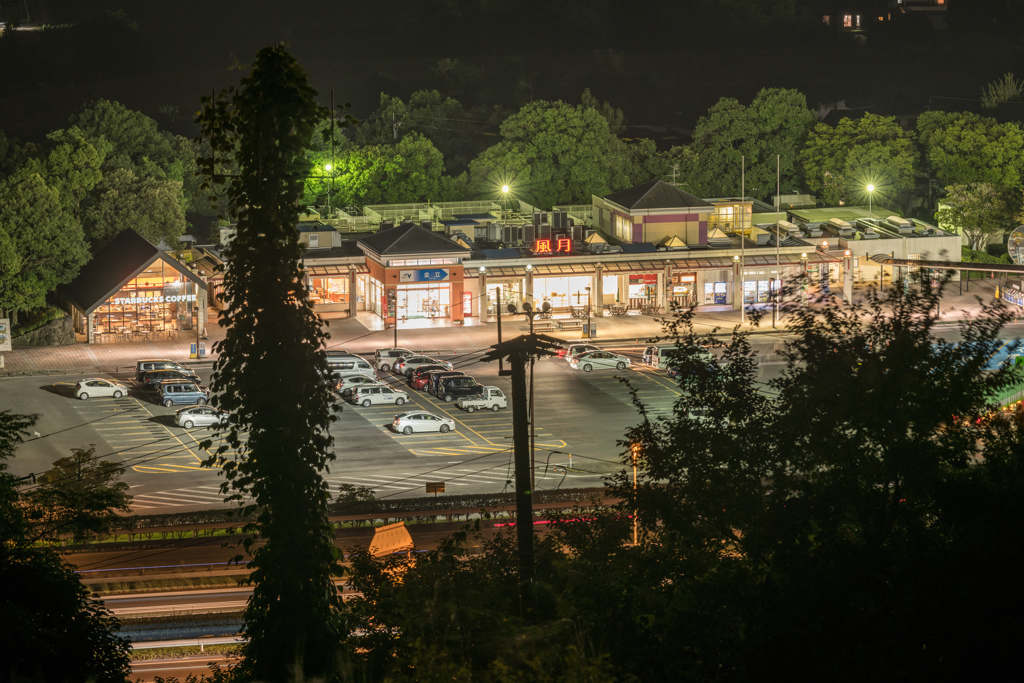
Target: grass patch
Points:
(155, 585)
(233, 650)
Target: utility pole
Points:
(519, 351)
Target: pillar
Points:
(848, 278)
(201, 313)
(482, 299)
(90, 326)
(353, 303)
(737, 286)
(669, 299)
(528, 294)
(598, 291)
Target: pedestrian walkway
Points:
(365, 333)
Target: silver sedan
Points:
(596, 360)
(422, 421)
(200, 416)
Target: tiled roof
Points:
(409, 239)
(117, 263)
(656, 195)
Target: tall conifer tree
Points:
(270, 373)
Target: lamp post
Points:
(504, 200)
(739, 279)
(530, 312)
(871, 191)
(330, 186)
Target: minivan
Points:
(349, 365)
(182, 392)
(435, 378)
(373, 394)
(451, 388)
(144, 366)
(383, 359)
(658, 356)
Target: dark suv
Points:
(451, 388)
(150, 364)
(437, 375)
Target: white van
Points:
(350, 365)
(657, 355)
(385, 359)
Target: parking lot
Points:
(579, 416)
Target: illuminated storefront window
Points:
(328, 290)
(158, 299)
(561, 292)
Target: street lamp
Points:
(871, 191)
(504, 200)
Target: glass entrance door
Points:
(423, 301)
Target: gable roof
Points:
(128, 255)
(409, 239)
(656, 195)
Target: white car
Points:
(422, 421)
(598, 360)
(369, 395)
(576, 349)
(407, 366)
(200, 416)
(346, 384)
(90, 388)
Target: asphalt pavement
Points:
(364, 334)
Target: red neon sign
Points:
(562, 245)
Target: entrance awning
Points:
(335, 270)
(949, 265)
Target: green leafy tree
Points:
(979, 211)
(122, 200)
(80, 496)
(52, 628)
(456, 132)
(70, 164)
(963, 148)
(839, 163)
(554, 153)
(775, 124)
(818, 520)
(270, 373)
(45, 237)
(411, 170)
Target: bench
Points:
(574, 324)
(543, 325)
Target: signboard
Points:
(824, 280)
(389, 303)
(645, 279)
(5, 334)
(1015, 245)
(423, 275)
(435, 487)
(154, 299)
(560, 245)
